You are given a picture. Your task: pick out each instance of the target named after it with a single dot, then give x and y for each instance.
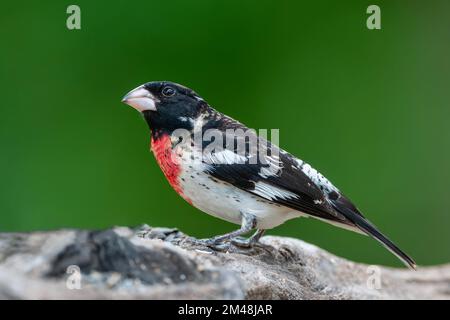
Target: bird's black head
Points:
(166, 105)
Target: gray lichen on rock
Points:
(162, 263)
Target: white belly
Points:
(222, 200)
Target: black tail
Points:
(368, 228)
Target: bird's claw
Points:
(211, 243)
(216, 244)
(242, 243)
(230, 245)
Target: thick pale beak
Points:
(140, 99)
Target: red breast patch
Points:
(162, 149)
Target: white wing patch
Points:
(224, 157)
(270, 192)
(299, 162)
(318, 178)
(273, 169)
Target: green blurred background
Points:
(368, 108)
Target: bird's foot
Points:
(213, 243)
(248, 243)
(234, 245)
(244, 243)
(217, 244)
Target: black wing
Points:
(275, 175)
(264, 170)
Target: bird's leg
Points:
(248, 223)
(247, 243)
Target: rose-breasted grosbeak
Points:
(228, 183)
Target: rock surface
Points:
(161, 263)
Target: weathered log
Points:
(161, 263)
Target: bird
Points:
(244, 178)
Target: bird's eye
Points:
(168, 91)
